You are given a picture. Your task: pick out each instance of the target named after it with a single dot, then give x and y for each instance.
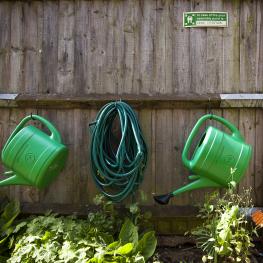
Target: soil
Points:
(188, 253)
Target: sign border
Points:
(214, 12)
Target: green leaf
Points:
(113, 245)
(11, 211)
(125, 250)
(147, 245)
(128, 233)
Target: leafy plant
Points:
(225, 235)
(128, 247)
(104, 236)
(8, 212)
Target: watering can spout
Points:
(13, 179)
(198, 183)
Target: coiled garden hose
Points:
(118, 159)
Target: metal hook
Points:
(209, 106)
(32, 117)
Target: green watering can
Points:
(218, 159)
(33, 157)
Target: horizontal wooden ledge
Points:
(157, 101)
(158, 211)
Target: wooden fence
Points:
(67, 58)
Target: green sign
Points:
(205, 19)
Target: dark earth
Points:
(188, 253)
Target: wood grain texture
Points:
(17, 50)
(258, 157)
(181, 41)
(248, 45)
(129, 47)
(66, 59)
(32, 46)
(231, 48)
(5, 42)
(198, 49)
(259, 54)
(214, 62)
(66, 26)
(49, 47)
(247, 129)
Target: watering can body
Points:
(33, 157)
(218, 159)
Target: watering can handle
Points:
(231, 127)
(54, 133)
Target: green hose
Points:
(117, 160)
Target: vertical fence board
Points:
(214, 63)
(4, 134)
(248, 46)
(198, 45)
(17, 50)
(129, 29)
(258, 157)
(247, 129)
(148, 129)
(259, 54)
(5, 32)
(145, 47)
(231, 48)
(181, 64)
(164, 151)
(32, 43)
(180, 172)
(65, 70)
(50, 47)
(160, 49)
(82, 15)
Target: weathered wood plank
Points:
(164, 152)
(4, 134)
(231, 48)
(145, 47)
(181, 60)
(129, 29)
(248, 46)
(198, 56)
(82, 82)
(180, 172)
(17, 50)
(159, 67)
(258, 157)
(50, 47)
(57, 101)
(247, 129)
(214, 62)
(65, 73)
(5, 33)
(32, 46)
(92, 190)
(147, 124)
(259, 55)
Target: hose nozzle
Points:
(163, 199)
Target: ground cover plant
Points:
(8, 213)
(225, 235)
(105, 236)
